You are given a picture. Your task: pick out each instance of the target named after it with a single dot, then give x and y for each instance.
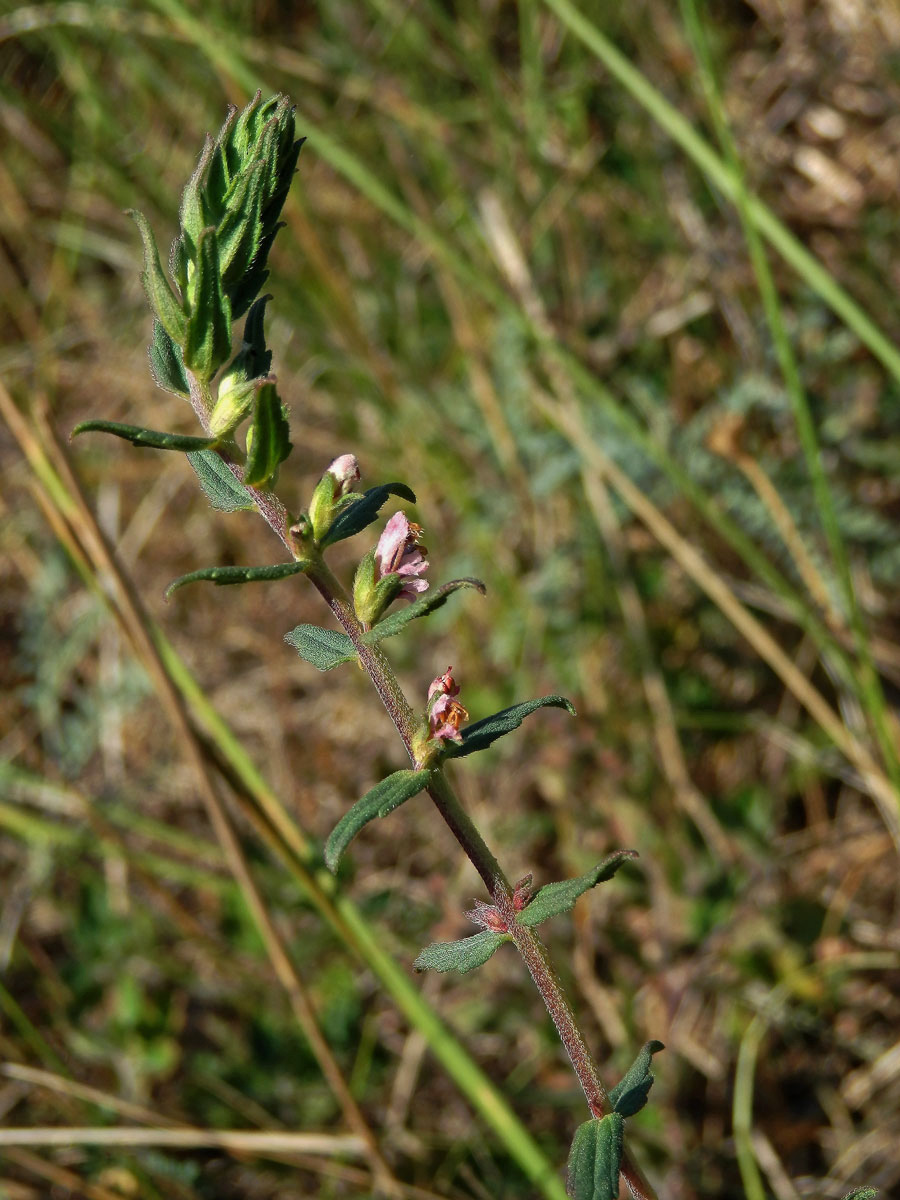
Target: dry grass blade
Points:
(695, 566)
(563, 412)
(239, 1141)
(88, 533)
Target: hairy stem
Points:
(526, 941)
(398, 708)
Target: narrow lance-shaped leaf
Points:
(222, 489)
(166, 363)
(225, 576)
(195, 213)
(480, 735)
(207, 343)
(630, 1095)
(357, 516)
(145, 437)
(254, 358)
(427, 603)
(268, 439)
(595, 1159)
(378, 802)
(324, 648)
(165, 304)
(464, 955)
(556, 898)
(240, 230)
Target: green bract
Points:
(464, 955)
(239, 188)
(219, 482)
(380, 800)
(397, 621)
(630, 1094)
(268, 440)
(486, 731)
(229, 216)
(560, 897)
(362, 512)
(324, 648)
(595, 1158)
(145, 437)
(224, 576)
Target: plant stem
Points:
(526, 941)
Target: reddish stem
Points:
(526, 941)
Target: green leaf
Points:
(145, 437)
(254, 358)
(222, 489)
(264, 132)
(268, 439)
(166, 363)
(559, 897)
(464, 955)
(630, 1095)
(324, 648)
(165, 304)
(241, 228)
(480, 735)
(383, 798)
(595, 1159)
(207, 343)
(194, 213)
(357, 516)
(225, 576)
(427, 603)
(862, 1193)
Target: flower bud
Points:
(233, 403)
(332, 492)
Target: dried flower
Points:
(445, 715)
(487, 917)
(522, 893)
(444, 685)
(399, 553)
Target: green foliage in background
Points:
(505, 261)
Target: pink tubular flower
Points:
(345, 472)
(398, 553)
(445, 715)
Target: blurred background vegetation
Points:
(503, 281)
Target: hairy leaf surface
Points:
(382, 799)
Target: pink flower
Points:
(445, 715)
(345, 472)
(398, 553)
